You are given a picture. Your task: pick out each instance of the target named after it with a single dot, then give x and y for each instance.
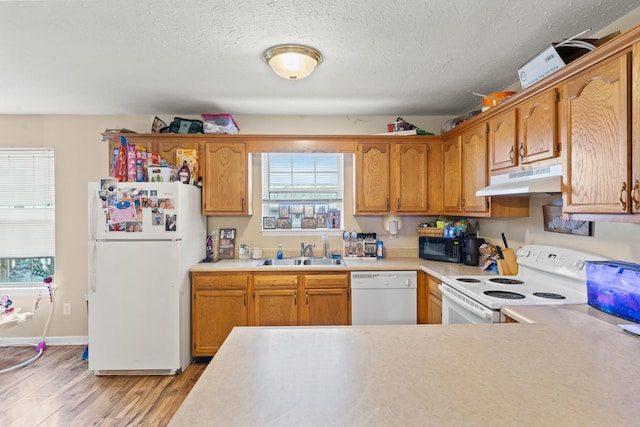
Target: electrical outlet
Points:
(66, 309)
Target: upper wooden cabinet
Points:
(465, 172)
(538, 128)
(598, 165)
(503, 138)
(372, 178)
(226, 184)
(398, 177)
(525, 134)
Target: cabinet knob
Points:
(623, 203)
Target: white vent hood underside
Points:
(535, 181)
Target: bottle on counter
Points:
(184, 174)
(379, 249)
(209, 251)
(279, 255)
(325, 246)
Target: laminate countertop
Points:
(572, 367)
(434, 268)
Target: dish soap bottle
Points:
(279, 256)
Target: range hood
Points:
(531, 182)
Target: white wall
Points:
(81, 157)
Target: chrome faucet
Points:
(304, 249)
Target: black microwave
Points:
(440, 249)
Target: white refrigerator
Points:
(143, 239)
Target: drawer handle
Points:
(622, 202)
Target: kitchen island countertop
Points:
(573, 367)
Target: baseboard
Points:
(18, 341)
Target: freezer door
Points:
(143, 210)
(135, 305)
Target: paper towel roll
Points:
(393, 227)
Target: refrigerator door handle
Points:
(92, 215)
(92, 266)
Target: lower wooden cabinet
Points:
(220, 302)
(434, 302)
(224, 300)
(326, 300)
(275, 299)
(429, 300)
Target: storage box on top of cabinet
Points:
(219, 123)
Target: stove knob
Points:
(407, 283)
(523, 252)
(579, 264)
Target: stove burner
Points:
(505, 281)
(468, 280)
(549, 295)
(504, 294)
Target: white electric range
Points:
(546, 275)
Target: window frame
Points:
(31, 241)
(339, 201)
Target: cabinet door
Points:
(225, 187)
(167, 149)
(326, 307)
(275, 307)
(372, 172)
(474, 168)
(538, 128)
(214, 314)
(502, 140)
(411, 171)
(597, 168)
(452, 185)
(434, 302)
(326, 299)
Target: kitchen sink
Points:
(300, 261)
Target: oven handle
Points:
(469, 305)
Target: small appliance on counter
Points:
(440, 248)
(471, 250)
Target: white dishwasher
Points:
(384, 298)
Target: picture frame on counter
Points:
(244, 250)
(308, 223)
(283, 211)
(227, 245)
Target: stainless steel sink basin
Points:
(300, 261)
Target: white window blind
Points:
(27, 203)
(307, 180)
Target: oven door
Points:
(457, 308)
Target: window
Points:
(27, 216)
(302, 191)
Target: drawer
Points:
(275, 281)
(317, 281)
(219, 280)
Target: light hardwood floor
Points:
(59, 390)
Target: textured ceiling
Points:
(381, 57)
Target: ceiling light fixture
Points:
(292, 61)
